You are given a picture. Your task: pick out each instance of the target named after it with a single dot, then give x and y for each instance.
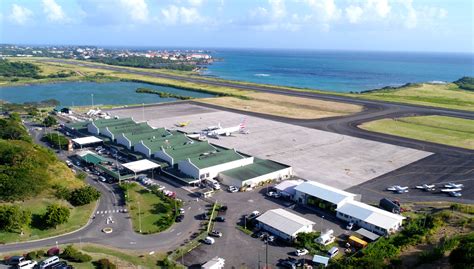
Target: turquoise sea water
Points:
(342, 71)
(79, 93)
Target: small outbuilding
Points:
(284, 224)
(318, 259)
(287, 187)
(87, 141)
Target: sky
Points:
(382, 25)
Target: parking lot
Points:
(333, 159)
(243, 251)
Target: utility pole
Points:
(139, 218)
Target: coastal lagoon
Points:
(80, 93)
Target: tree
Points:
(73, 255)
(83, 196)
(13, 218)
(50, 121)
(56, 215)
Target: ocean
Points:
(341, 71)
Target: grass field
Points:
(445, 95)
(156, 213)
(285, 106)
(123, 259)
(437, 129)
(78, 218)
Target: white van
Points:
(28, 264)
(213, 184)
(333, 252)
(48, 262)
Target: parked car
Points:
(60, 265)
(48, 262)
(179, 218)
(209, 240)
(181, 211)
(219, 219)
(27, 264)
(288, 263)
(254, 214)
(215, 233)
(301, 252)
(53, 251)
(350, 226)
(14, 260)
(333, 252)
(223, 208)
(233, 189)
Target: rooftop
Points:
(130, 128)
(136, 136)
(324, 192)
(216, 158)
(78, 125)
(90, 157)
(258, 168)
(370, 214)
(87, 140)
(141, 165)
(284, 221)
(192, 150)
(175, 139)
(102, 123)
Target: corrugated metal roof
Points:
(324, 192)
(87, 140)
(370, 214)
(256, 169)
(288, 186)
(216, 158)
(284, 221)
(141, 165)
(321, 259)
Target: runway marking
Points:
(178, 233)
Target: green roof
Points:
(186, 151)
(78, 125)
(258, 168)
(212, 159)
(136, 137)
(93, 158)
(102, 123)
(175, 139)
(130, 128)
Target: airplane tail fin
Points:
(242, 123)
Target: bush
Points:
(56, 215)
(40, 253)
(105, 264)
(13, 218)
(83, 196)
(31, 255)
(61, 192)
(73, 255)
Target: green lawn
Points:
(437, 129)
(445, 95)
(157, 213)
(78, 218)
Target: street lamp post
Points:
(139, 218)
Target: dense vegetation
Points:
(56, 140)
(13, 218)
(162, 94)
(377, 254)
(18, 69)
(463, 256)
(12, 129)
(465, 83)
(73, 255)
(144, 62)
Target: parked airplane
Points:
(426, 187)
(398, 189)
(182, 124)
(215, 131)
(451, 190)
(453, 185)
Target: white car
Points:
(209, 240)
(254, 214)
(350, 225)
(28, 264)
(181, 211)
(233, 189)
(301, 252)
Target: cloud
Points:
(137, 10)
(370, 10)
(53, 11)
(181, 15)
(195, 3)
(354, 13)
(20, 15)
(324, 10)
